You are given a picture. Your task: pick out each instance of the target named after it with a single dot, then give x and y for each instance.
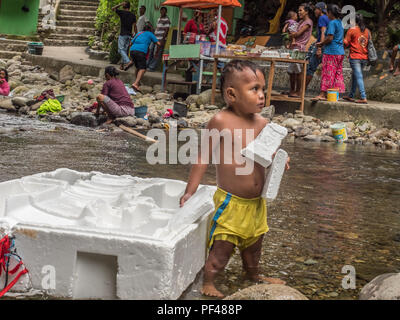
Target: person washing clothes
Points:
(4, 86)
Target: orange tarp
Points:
(202, 3)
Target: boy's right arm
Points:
(197, 171)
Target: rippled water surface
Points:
(338, 205)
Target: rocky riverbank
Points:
(80, 91)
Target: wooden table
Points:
(270, 77)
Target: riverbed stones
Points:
(84, 119)
(267, 292)
(146, 89)
(126, 121)
(383, 287)
(292, 123)
(19, 102)
(66, 73)
(163, 96)
(7, 105)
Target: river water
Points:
(338, 204)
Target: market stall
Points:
(195, 53)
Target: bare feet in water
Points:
(210, 291)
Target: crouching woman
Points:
(114, 98)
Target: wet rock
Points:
(8, 130)
(86, 86)
(182, 123)
(292, 123)
(157, 88)
(57, 119)
(7, 105)
(24, 110)
(268, 112)
(310, 262)
(3, 63)
(205, 98)
(126, 121)
(19, 102)
(30, 77)
(302, 132)
(313, 138)
(66, 73)
(163, 96)
(154, 118)
(327, 139)
(192, 99)
(36, 105)
(146, 89)
(364, 127)
(267, 292)
(383, 287)
(308, 118)
(84, 119)
(211, 107)
(390, 144)
(380, 133)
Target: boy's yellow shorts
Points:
(237, 220)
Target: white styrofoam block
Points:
(274, 176)
(72, 221)
(265, 144)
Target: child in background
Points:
(4, 87)
(291, 26)
(240, 217)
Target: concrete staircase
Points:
(75, 23)
(10, 48)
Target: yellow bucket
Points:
(333, 95)
(339, 132)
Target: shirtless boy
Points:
(240, 217)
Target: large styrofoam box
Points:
(105, 236)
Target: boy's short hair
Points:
(237, 66)
(126, 5)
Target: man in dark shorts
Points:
(127, 20)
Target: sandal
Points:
(130, 64)
(362, 101)
(318, 98)
(136, 89)
(347, 98)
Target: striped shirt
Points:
(163, 25)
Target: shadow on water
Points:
(338, 205)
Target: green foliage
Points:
(366, 14)
(394, 36)
(107, 21)
(114, 54)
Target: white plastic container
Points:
(274, 176)
(265, 144)
(104, 235)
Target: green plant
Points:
(114, 54)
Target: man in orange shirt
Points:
(357, 39)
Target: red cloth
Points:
(115, 89)
(191, 26)
(358, 43)
(4, 88)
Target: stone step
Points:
(15, 47)
(77, 24)
(75, 18)
(66, 43)
(61, 36)
(13, 41)
(78, 13)
(81, 3)
(77, 7)
(8, 54)
(75, 30)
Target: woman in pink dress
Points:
(4, 87)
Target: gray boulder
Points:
(267, 292)
(19, 102)
(86, 119)
(383, 287)
(66, 73)
(126, 121)
(7, 105)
